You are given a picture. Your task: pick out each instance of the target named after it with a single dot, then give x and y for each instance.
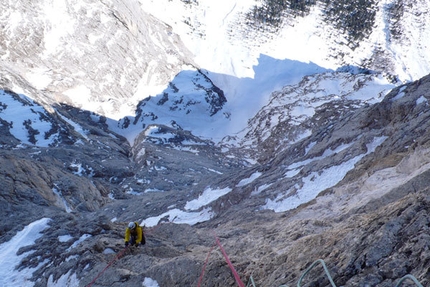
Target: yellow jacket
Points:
(138, 232)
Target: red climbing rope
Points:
(235, 274)
(110, 263)
(204, 266)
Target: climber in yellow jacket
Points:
(134, 234)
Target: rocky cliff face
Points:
(101, 52)
(321, 171)
(371, 228)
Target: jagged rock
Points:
(371, 226)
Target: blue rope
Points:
(251, 282)
(409, 277)
(312, 266)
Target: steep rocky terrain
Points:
(334, 166)
(372, 228)
(100, 52)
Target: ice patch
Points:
(250, 179)
(148, 282)
(206, 197)
(315, 183)
(180, 217)
(64, 238)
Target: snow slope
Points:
(215, 32)
(248, 66)
(10, 257)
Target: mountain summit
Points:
(279, 132)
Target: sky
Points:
(239, 70)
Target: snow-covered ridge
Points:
(124, 52)
(301, 122)
(295, 105)
(388, 37)
(27, 121)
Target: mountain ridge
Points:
(333, 164)
(390, 179)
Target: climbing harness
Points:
(110, 263)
